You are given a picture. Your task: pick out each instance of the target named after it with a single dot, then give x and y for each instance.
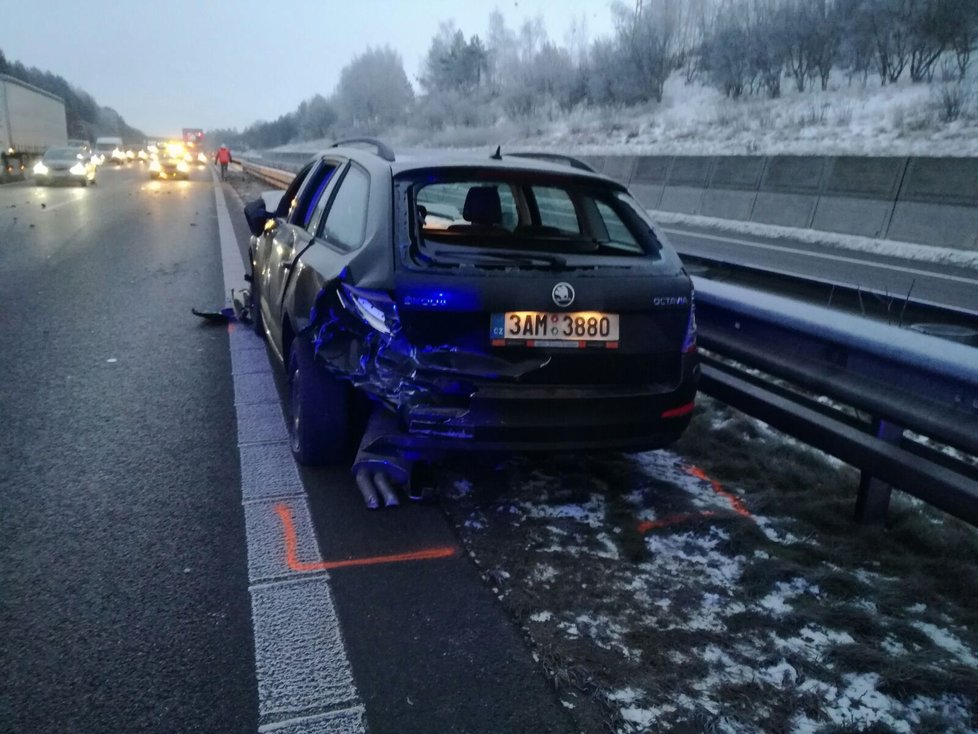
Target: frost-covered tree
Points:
(315, 118)
(374, 91)
(454, 63)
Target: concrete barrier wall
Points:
(931, 201)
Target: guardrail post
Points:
(873, 501)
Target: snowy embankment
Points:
(891, 248)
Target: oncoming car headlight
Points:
(183, 167)
(78, 169)
(40, 169)
(154, 165)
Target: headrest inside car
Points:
(482, 206)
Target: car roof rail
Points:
(556, 158)
(382, 149)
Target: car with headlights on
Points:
(169, 162)
(450, 302)
(65, 165)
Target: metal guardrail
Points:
(892, 380)
(274, 175)
(898, 379)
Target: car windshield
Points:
(516, 215)
(62, 153)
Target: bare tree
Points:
(647, 34)
(965, 35)
(724, 56)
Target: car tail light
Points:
(682, 410)
(375, 308)
(689, 342)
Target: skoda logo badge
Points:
(563, 294)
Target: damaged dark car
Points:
(433, 303)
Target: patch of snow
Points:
(894, 647)
(948, 642)
(812, 641)
(777, 601)
(544, 574)
(774, 534)
(541, 617)
(625, 695)
(590, 513)
(643, 718)
(686, 553)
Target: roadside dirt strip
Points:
(305, 683)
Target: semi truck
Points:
(31, 121)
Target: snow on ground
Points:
(697, 634)
(899, 119)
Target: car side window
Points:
(346, 220)
(309, 193)
(290, 197)
(322, 196)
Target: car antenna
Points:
(498, 155)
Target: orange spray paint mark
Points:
(735, 504)
(648, 525)
(292, 555)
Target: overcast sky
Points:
(206, 63)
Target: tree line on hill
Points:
(740, 47)
(86, 119)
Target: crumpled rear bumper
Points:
(524, 418)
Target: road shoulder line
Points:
(305, 681)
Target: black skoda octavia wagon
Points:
(434, 302)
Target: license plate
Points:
(577, 329)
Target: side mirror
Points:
(256, 215)
(259, 211)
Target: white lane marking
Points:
(305, 682)
(823, 256)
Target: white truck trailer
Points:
(31, 121)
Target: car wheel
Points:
(319, 410)
(83, 182)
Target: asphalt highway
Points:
(125, 598)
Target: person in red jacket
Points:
(223, 156)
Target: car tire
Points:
(83, 183)
(319, 410)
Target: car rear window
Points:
(573, 217)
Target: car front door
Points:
(290, 237)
